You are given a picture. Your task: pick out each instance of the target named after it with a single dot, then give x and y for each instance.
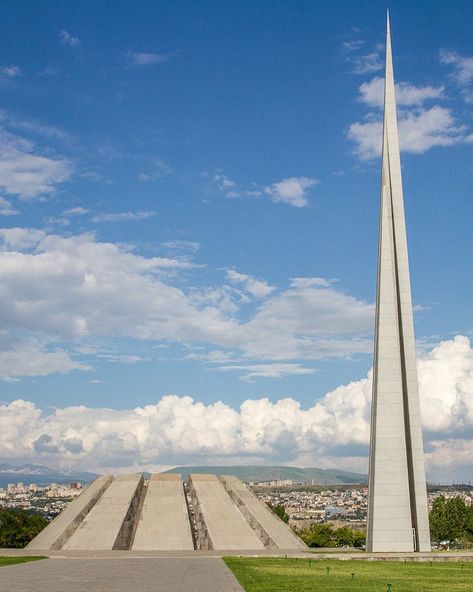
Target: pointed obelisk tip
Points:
(388, 27)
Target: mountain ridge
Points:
(256, 473)
(30, 473)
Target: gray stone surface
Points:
(63, 526)
(164, 521)
(104, 524)
(279, 534)
(120, 575)
(224, 525)
(397, 503)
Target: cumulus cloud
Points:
(419, 130)
(462, 72)
(32, 358)
(75, 287)
(309, 320)
(367, 64)
(137, 59)
(6, 208)
(420, 127)
(257, 288)
(334, 431)
(291, 190)
(26, 173)
(67, 39)
(372, 93)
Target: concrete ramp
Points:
(271, 529)
(109, 525)
(164, 521)
(63, 526)
(219, 523)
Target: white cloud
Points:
(6, 208)
(277, 370)
(352, 45)
(419, 130)
(75, 287)
(30, 358)
(213, 356)
(462, 72)
(182, 245)
(372, 93)
(309, 321)
(10, 71)
(122, 216)
(77, 211)
(257, 288)
(33, 126)
(179, 430)
(291, 190)
(147, 59)
(367, 64)
(160, 169)
(223, 181)
(26, 173)
(67, 39)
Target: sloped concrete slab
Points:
(63, 526)
(224, 525)
(279, 534)
(164, 521)
(109, 522)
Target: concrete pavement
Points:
(186, 574)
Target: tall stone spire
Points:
(397, 500)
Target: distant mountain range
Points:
(257, 473)
(40, 474)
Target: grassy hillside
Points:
(257, 473)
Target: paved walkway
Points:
(185, 574)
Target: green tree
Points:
(19, 527)
(318, 535)
(280, 511)
(323, 535)
(469, 522)
(449, 519)
(347, 537)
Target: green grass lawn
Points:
(13, 560)
(301, 575)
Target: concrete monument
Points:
(397, 504)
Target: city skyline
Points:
(189, 219)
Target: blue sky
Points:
(189, 203)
